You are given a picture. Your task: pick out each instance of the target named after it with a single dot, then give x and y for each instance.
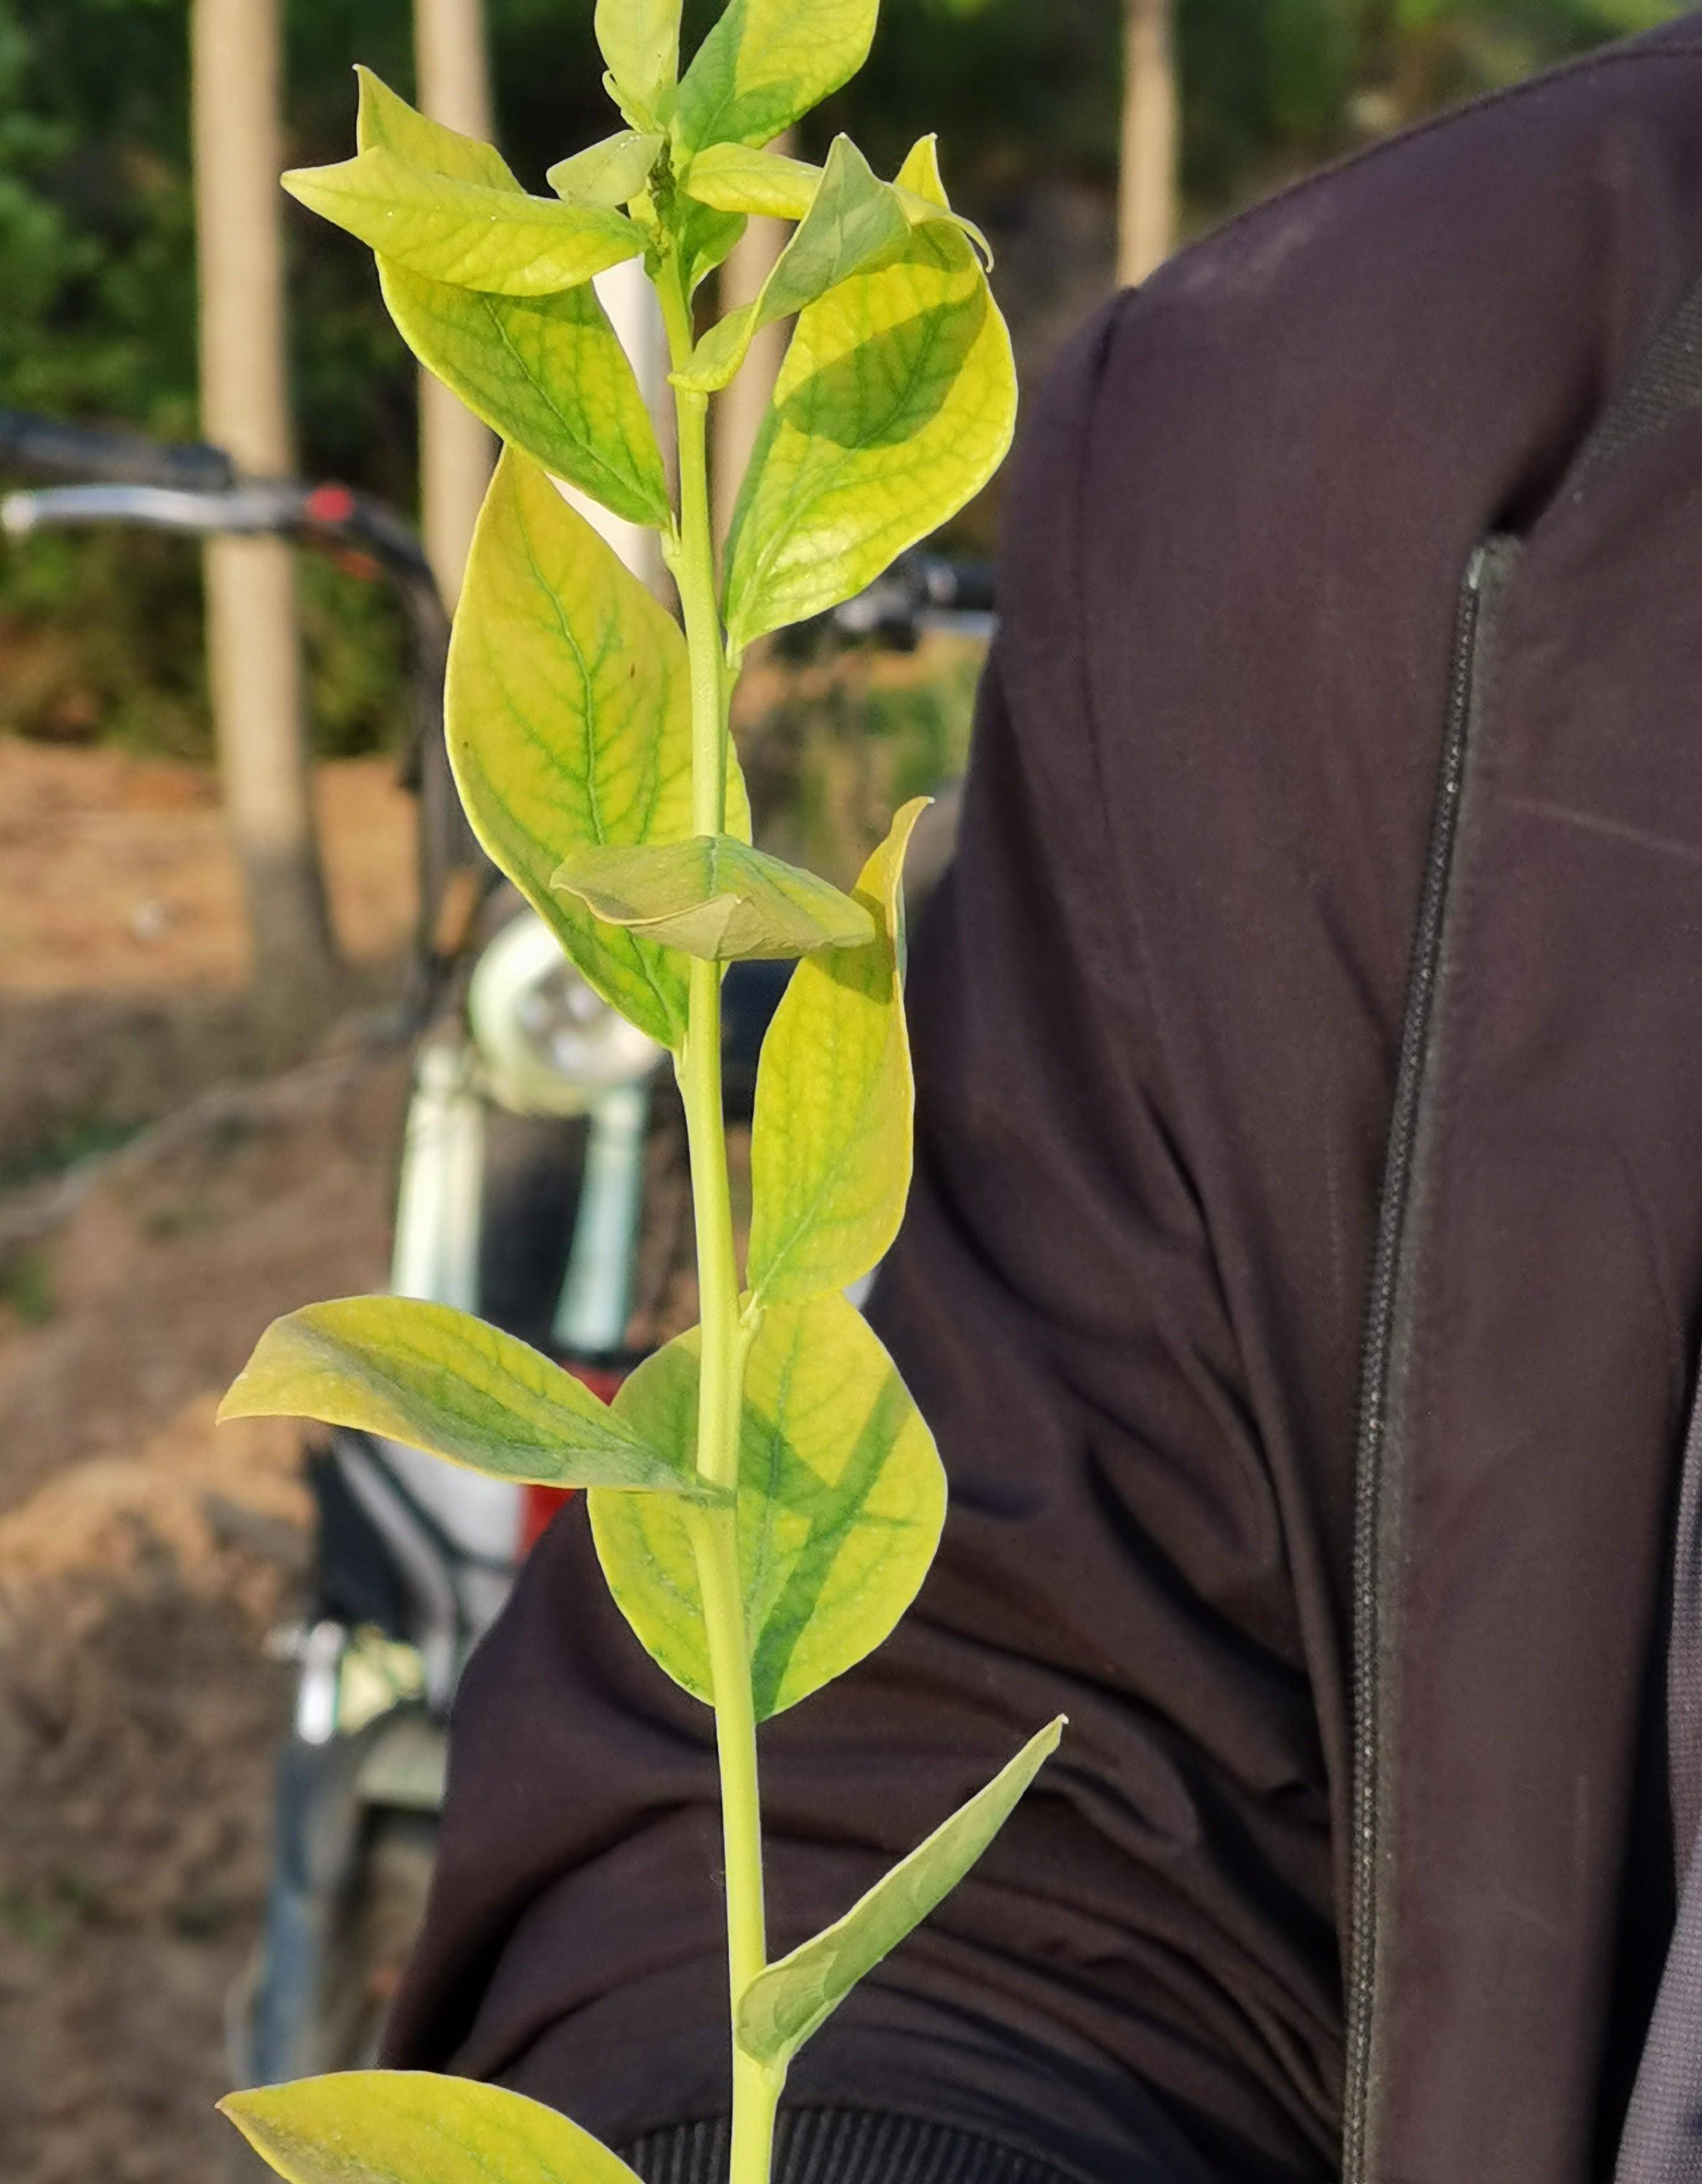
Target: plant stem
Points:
(725, 1342)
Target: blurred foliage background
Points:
(100, 636)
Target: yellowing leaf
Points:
(546, 372)
(475, 235)
(735, 178)
(785, 2005)
(440, 1380)
(923, 194)
(640, 39)
(768, 62)
(388, 122)
(830, 1147)
(611, 173)
(854, 219)
(569, 722)
(896, 403)
(841, 1498)
(409, 2127)
(714, 898)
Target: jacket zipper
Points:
(1377, 1361)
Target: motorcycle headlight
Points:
(549, 1044)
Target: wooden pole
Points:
(253, 629)
(1146, 198)
(456, 451)
(737, 414)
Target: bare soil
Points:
(144, 1556)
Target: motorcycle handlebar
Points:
(44, 447)
(269, 507)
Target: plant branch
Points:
(725, 1342)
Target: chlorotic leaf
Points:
(894, 405)
(476, 234)
(830, 1146)
(549, 374)
(380, 2126)
(735, 178)
(612, 173)
(640, 39)
(854, 220)
(569, 723)
(785, 2005)
(841, 1498)
(715, 898)
(387, 121)
(768, 62)
(923, 194)
(443, 1381)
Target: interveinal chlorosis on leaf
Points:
(546, 372)
(765, 1497)
(766, 64)
(896, 402)
(443, 1381)
(830, 1146)
(475, 235)
(569, 724)
(842, 1497)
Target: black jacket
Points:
(1285, 964)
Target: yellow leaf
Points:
(409, 2127)
(841, 1499)
(715, 898)
(438, 1380)
(830, 1149)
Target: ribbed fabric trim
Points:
(840, 2145)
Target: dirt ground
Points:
(144, 1556)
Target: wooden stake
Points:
(1146, 198)
(253, 628)
(456, 451)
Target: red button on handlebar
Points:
(331, 504)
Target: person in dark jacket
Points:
(1327, 926)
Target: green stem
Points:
(725, 1340)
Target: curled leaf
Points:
(841, 1498)
(387, 119)
(612, 173)
(785, 2005)
(830, 1147)
(475, 235)
(640, 39)
(377, 2126)
(440, 1380)
(714, 897)
(853, 220)
(923, 194)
